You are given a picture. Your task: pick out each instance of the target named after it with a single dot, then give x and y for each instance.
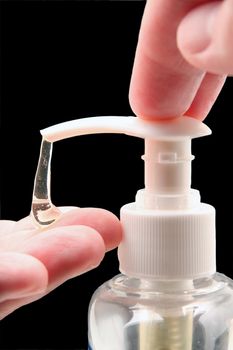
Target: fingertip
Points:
(160, 92)
(95, 247)
(107, 224)
(206, 96)
(145, 98)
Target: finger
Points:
(205, 35)
(163, 83)
(66, 251)
(20, 276)
(206, 96)
(103, 221)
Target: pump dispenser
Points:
(169, 296)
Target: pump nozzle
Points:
(173, 129)
(167, 154)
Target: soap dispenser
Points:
(168, 295)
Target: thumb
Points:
(204, 37)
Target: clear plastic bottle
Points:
(145, 314)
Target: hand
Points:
(183, 56)
(34, 262)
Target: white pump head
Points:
(168, 233)
(167, 154)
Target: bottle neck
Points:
(185, 286)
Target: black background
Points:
(67, 60)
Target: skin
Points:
(183, 56)
(33, 262)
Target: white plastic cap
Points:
(168, 233)
(168, 244)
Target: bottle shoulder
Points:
(123, 287)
